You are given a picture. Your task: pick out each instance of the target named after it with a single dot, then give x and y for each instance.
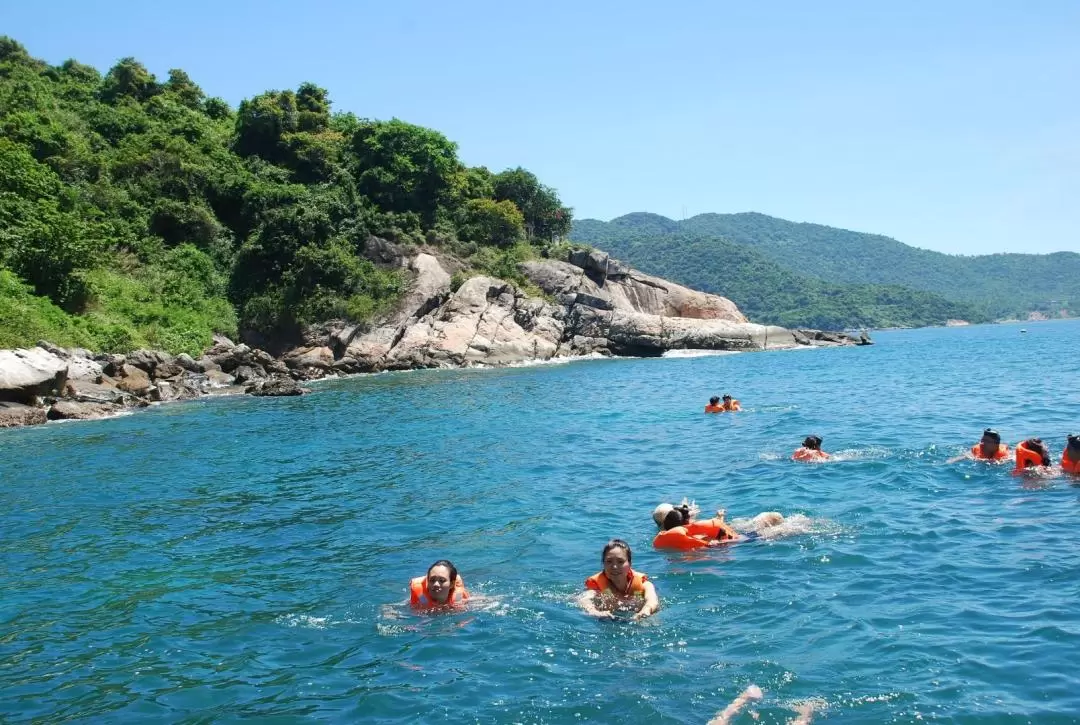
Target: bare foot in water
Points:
(751, 693)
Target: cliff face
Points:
(592, 305)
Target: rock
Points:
(205, 364)
(261, 357)
(134, 380)
(54, 349)
(166, 391)
(73, 410)
(13, 415)
(81, 368)
(248, 373)
(314, 357)
(110, 363)
(220, 341)
(275, 387)
(26, 374)
(276, 367)
(147, 360)
(382, 251)
(168, 370)
(219, 379)
(187, 363)
(84, 391)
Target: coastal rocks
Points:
(14, 415)
(278, 387)
(26, 374)
(133, 380)
(73, 410)
(84, 391)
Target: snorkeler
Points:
(810, 451)
(680, 530)
(1031, 453)
(1070, 457)
(440, 587)
(714, 405)
(618, 587)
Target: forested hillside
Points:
(139, 212)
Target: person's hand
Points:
(720, 513)
(640, 614)
(604, 615)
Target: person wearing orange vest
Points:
(730, 404)
(440, 587)
(810, 451)
(680, 530)
(714, 405)
(1031, 453)
(618, 587)
(990, 447)
(1070, 457)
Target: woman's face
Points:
(616, 563)
(438, 583)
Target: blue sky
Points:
(952, 126)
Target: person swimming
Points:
(990, 447)
(714, 405)
(440, 587)
(730, 404)
(1070, 457)
(1031, 454)
(811, 450)
(617, 587)
(680, 530)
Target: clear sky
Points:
(951, 125)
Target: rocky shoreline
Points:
(591, 305)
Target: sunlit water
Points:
(244, 558)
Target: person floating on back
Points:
(810, 451)
(1031, 454)
(990, 447)
(1070, 457)
(618, 587)
(714, 405)
(440, 587)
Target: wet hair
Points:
(1074, 441)
(727, 397)
(991, 433)
(447, 563)
(812, 442)
(1039, 447)
(714, 400)
(617, 544)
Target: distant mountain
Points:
(980, 287)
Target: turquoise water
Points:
(244, 558)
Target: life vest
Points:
(1027, 457)
(420, 598)
(1000, 454)
(714, 408)
(599, 583)
(695, 535)
(1067, 465)
(809, 454)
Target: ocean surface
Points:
(241, 559)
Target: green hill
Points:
(764, 290)
(998, 285)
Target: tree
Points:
(184, 89)
(493, 222)
(545, 216)
(129, 79)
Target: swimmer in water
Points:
(679, 529)
(440, 587)
(1031, 454)
(618, 588)
(753, 693)
(1070, 457)
(714, 405)
(730, 404)
(989, 448)
(810, 451)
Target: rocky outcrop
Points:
(277, 387)
(13, 415)
(27, 374)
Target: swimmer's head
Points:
(714, 400)
(662, 510)
(1073, 442)
(675, 517)
(616, 558)
(727, 398)
(441, 577)
(991, 436)
(1037, 445)
(812, 442)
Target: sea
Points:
(239, 559)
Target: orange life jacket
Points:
(1000, 454)
(1069, 465)
(809, 454)
(714, 408)
(420, 598)
(694, 535)
(599, 583)
(1027, 457)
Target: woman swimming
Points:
(618, 588)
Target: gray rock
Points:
(168, 370)
(14, 415)
(54, 349)
(84, 391)
(382, 251)
(111, 363)
(276, 387)
(185, 361)
(26, 374)
(134, 380)
(166, 391)
(248, 373)
(73, 410)
(147, 360)
(219, 379)
(205, 364)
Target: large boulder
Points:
(147, 360)
(26, 374)
(167, 391)
(133, 380)
(275, 387)
(84, 391)
(13, 415)
(310, 357)
(73, 410)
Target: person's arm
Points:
(753, 692)
(963, 456)
(587, 600)
(652, 602)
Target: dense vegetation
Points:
(135, 212)
(764, 290)
(996, 286)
